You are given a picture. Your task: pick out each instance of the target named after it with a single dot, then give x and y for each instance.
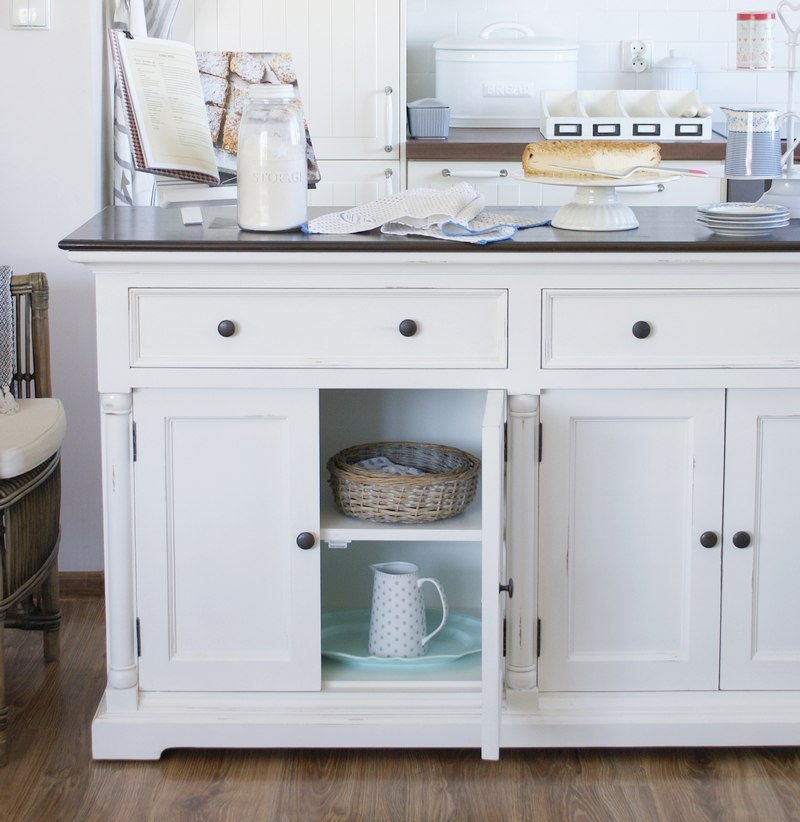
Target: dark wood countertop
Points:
(661, 229)
(504, 145)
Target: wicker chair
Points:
(30, 484)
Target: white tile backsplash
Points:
(705, 32)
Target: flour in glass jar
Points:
(272, 174)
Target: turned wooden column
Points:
(523, 440)
(120, 625)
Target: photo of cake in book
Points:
(225, 77)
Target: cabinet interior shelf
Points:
(336, 527)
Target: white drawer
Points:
(492, 180)
(716, 328)
(299, 328)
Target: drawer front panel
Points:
(298, 328)
(492, 180)
(726, 328)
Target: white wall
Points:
(704, 30)
(50, 156)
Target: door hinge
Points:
(138, 638)
(540, 442)
(505, 442)
(538, 638)
(133, 439)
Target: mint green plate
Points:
(345, 635)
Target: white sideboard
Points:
(634, 398)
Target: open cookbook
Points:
(184, 107)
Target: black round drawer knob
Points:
(408, 328)
(708, 539)
(305, 540)
(509, 589)
(227, 328)
(641, 330)
(741, 539)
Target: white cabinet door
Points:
(760, 600)
(347, 183)
(629, 598)
(224, 484)
(492, 502)
(493, 180)
(346, 54)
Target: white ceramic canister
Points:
(272, 173)
(496, 79)
(675, 73)
(754, 39)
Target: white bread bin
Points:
(496, 81)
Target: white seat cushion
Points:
(30, 436)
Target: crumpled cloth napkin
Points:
(386, 466)
(454, 213)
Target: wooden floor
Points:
(51, 776)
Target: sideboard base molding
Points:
(653, 719)
(285, 721)
(444, 720)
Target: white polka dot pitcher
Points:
(397, 626)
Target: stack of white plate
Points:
(742, 219)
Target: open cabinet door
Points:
(492, 496)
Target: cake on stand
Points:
(595, 206)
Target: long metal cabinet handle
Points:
(475, 173)
(388, 123)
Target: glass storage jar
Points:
(272, 174)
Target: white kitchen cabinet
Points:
(633, 558)
(229, 533)
(346, 183)
(492, 180)
(665, 376)
(499, 188)
(629, 598)
(761, 560)
(347, 54)
(237, 560)
(605, 519)
(227, 592)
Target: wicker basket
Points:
(445, 489)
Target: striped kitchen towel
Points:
(8, 405)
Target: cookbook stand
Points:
(595, 206)
(785, 190)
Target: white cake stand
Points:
(595, 206)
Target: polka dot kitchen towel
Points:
(454, 213)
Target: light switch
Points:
(30, 14)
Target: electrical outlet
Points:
(636, 55)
